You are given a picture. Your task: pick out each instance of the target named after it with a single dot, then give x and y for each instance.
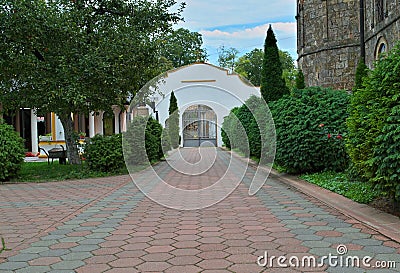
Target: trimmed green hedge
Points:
(310, 129)
(11, 152)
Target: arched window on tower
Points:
(381, 48)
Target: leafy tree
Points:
(227, 57)
(273, 86)
(250, 66)
(300, 84)
(183, 47)
(79, 56)
(173, 121)
(287, 61)
(361, 73)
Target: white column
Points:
(91, 125)
(34, 132)
(123, 122)
(116, 111)
(100, 123)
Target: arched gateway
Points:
(199, 126)
(205, 94)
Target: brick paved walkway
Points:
(108, 225)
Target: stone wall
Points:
(328, 37)
(328, 42)
(385, 31)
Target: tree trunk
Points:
(72, 148)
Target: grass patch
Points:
(43, 172)
(337, 182)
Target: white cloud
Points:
(288, 28)
(205, 14)
(241, 24)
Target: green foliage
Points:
(337, 182)
(11, 152)
(183, 47)
(142, 141)
(3, 246)
(300, 84)
(153, 140)
(99, 53)
(249, 66)
(235, 136)
(249, 130)
(374, 126)
(173, 121)
(104, 153)
(310, 127)
(228, 128)
(273, 86)
(386, 159)
(361, 73)
(43, 172)
(227, 57)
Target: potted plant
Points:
(82, 135)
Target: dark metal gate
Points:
(199, 126)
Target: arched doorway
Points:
(199, 126)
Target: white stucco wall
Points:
(203, 84)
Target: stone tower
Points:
(328, 37)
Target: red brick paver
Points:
(108, 225)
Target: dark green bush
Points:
(104, 153)
(240, 130)
(234, 135)
(374, 122)
(11, 152)
(142, 141)
(153, 140)
(310, 127)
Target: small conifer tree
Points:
(173, 121)
(273, 86)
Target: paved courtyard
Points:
(109, 225)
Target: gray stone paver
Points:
(107, 223)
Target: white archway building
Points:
(202, 84)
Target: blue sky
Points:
(241, 24)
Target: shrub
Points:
(104, 153)
(11, 152)
(142, 141)
(300, 83)
(310, 126)
(240, 130)
(153, 140)
(374, 126)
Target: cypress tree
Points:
(273, 86)
(173, 121)
(173, 104)
(300, 84)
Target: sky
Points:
(241, 24)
